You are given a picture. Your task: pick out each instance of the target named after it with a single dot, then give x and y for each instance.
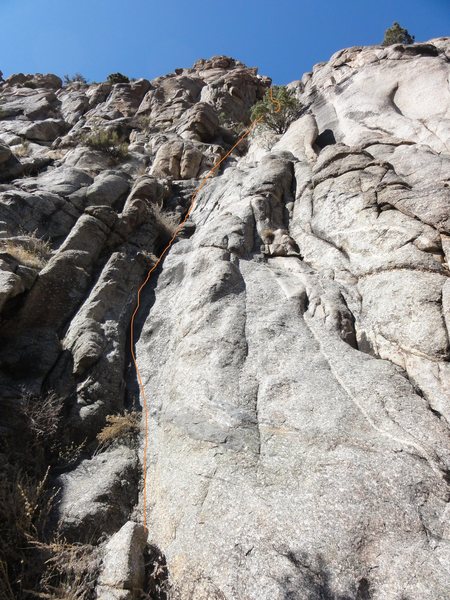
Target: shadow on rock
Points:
(312, 580)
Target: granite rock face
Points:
(296, 355)
(294, 345)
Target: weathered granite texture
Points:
(294, 346)
(296, 355)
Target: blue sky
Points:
(147, 38)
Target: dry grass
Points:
(31, 252)
(124, 427)
(23, 150)
(166, 222)
(43, 416)
(267, 235)
(70, 571)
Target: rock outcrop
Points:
(294, 345)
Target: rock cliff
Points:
(293, 345)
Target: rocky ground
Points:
(294, 344)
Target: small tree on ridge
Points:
(118, 78)
(397, 35)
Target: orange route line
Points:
(274, 101)
(146, 280)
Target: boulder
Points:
(10, 285)
(107, 189)
(199, 123)
(45, 131)
(97, 497)
(123, 562)
(10, 168)
(5, 153)
(64, 180)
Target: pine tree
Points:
(397, 35)
(277, 120)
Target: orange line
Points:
(274, 101)
(138, 304)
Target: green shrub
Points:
(107, 141)
(118, 78)
(397, 35)
(266, 109)
(77, 78)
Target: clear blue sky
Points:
(147, 38)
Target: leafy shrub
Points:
(267, 109)
(397, 35)
(120, 428)
(118, 78)
(76, 78)
(107, 141)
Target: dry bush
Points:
(31, 565)
(70, 570)
(44, 422)
(76, 78)
(43, 415)
(29, 552)
(108, 142)
(120, 428)
(6, 591)
(67, 455)
(32, 252)
(166, 222)
(25, 505)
